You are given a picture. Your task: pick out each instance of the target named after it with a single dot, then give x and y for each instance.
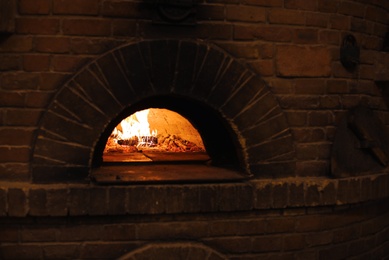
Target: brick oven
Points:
(287, 101)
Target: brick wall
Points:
(292, 45)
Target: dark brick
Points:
(328, 193)
(152, 197)
(61, 251)
(34, 6)
(117, 201)
(266, 244)
(116, 232)
(3, 202)
(98, 201)
(90, 27)
(312, 195)
(79, 7)
(112, 250)
(280, 195)
(78, 200)
(280, 225)
(38, 234)
(17, 202)
(263, 195)
(37, 202)
(24, 251)
(45, 26)
(296, 196)
(57, 202)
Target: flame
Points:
(136, 125)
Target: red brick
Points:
(38, 234)
(310, 86)
(317, 20)
(376, 14)
(37, 26)
(25, 251)
(268, 3)
(320, 118)
(15, 136)
(10, 62)
(16, 44)
(51, 80)
(301, 4)
(17, 81)
(352, 8)
(65, 63)
(303, 61)
(35, 63)
(126, 9)
(264, 68)
(124, 28)
(340, 22)
(14, 154)
(22, 117)
(210, 12)
(330, 37)
(12, 99)
(328, 6)
(263, 32)
(87, 27)
(245, 13)
(283, 16)
(52, 44)
(305, 36)
(34, 6)
(267, 244)
(91, 46)
(17, 202)
(296, 118)
(80, 7)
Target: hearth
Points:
(240, 122)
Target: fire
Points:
(136, 128)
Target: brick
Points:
(294, 242)
(17, 202)
(338, 86)
(37, 202)
(328, 193)
(43, 26)
(10, 62)
(86, 27)
(61, 251)
(317, 20)
(24, 251)
(120, 232)
(245, 13)
(22, 117)
(14, 154)
(265, 68)
(78, 199)
(280, 225)
(329, 37)
(57, 202)
(38, 234)
(328, 6)
(98, 202)
(37, 99)
(9, 234)
(79, 7)
(34, 6)
(310, 86)
(340, 22)
(3, 202)
(124, 28)
(117, 204)
(242, 244)
(376, 14)
(52, 44)
(352, 8)
(284, 16)
(263, 32)
(15, 136)
(263, 195)
(210, 12)
(16, 44)
(303, 61)
(64, 63)
(111, 250)
(301, 4)
(35, 63)
(280, 195)
(319, 238)
(296, 195)
(20, 81)
(11, 99)
(268, 3)
(305, 36)
(296, 118)
(80, 232)
(126, 9)
(320, 118)
(265, 244)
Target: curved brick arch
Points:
(193, 70)
(176, 250)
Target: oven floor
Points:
(162, 167)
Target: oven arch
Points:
(196, 71)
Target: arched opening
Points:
(217, 146)
(239, 120)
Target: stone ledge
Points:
(93, 200)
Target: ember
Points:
(133, 134)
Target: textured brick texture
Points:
(270, 68)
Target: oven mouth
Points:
(207, 154)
